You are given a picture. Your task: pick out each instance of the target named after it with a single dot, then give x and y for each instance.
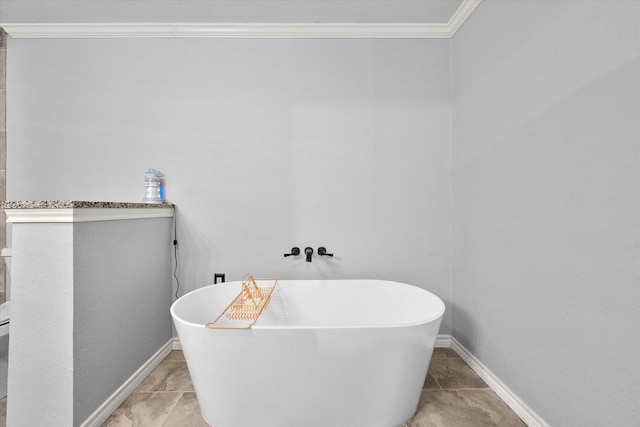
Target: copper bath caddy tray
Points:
(247, 306)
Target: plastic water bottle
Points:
(154, 186)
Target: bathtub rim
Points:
(434, 317)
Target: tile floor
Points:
(453, 396)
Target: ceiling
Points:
(229, 11)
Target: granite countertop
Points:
(72, 204)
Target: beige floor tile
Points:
(453, 396)
(430, 383)
(455, 374)
(146, 409)
(169, 375)
(177, 355)
(186, 413)
(463, 408)
(444, 353)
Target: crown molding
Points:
(243, 30)
(461, 15)
(232, 30)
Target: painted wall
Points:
(122, 295)
(546, 189)
(266, 145)
(42, 264)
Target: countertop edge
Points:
(76, 204)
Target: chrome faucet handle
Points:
(294, 252)
(323, 251)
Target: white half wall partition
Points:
(90, 305)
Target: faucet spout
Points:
(308, 252)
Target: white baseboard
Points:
(105, 410)
(176, 343)
(518, 406)
(443, 341)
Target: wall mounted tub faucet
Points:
(294, 252)
(308, 252)
(323, 251)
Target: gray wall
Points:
(546, 193)
(121, 300)
(266, 145)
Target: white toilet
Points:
(4, 325)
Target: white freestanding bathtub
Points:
(325, 353)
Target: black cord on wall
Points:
(175, 250)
